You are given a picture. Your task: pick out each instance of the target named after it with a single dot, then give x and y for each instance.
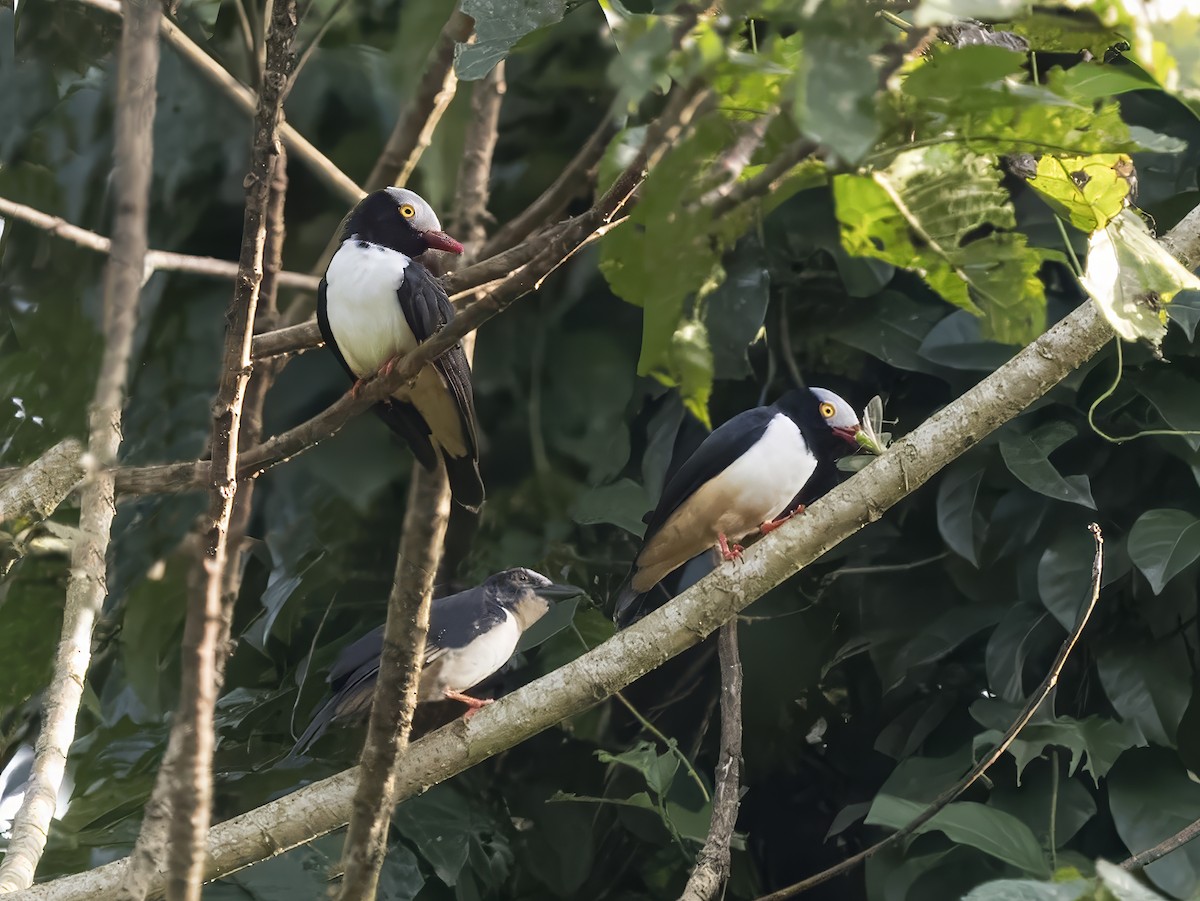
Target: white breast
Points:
(755, 488)
(361, 304)
(460, 669)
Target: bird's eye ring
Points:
(827, 410)
(407, 211)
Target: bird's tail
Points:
(466, 486)
(316, 728)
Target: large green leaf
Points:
(959, 524)
(498, 26)
(941, 212)
(1086, 190)
(1163, 543)
(1148, 686)
(992, 831)
(1027, 456)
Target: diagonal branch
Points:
(712, 863)
(41, 486)
(334, 178)
(155, 260)
(414, 130)
(1163, 848)
(982, 766)
(206, 627)
(685, 621)
(87, 585)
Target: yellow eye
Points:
(407, 211)
(827, 410)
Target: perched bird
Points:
(472, 634)
(376, 303)
(753, 473)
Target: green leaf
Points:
(958, 522)
(837, 106)
(1093, 80)
(1149, 686)
(1163, 543)
(1021, 632)
(658, 769)
(1132, 278)
(1064, 575)
(1173, 395)
(623, 503)
(994, 832)
(1185, 310)
(498, 26)
(559, 617)
(1087, 190)
(1027, 890)
(734, 312)
(904, 215)
(1027, 457)
(1151, 799)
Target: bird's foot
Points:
(388, 366)
(474, 705)
(776, 523)
(729, 551)
(356, 387)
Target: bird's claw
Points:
(729, 551)
(356, 387)
(474, 705)
(776, 523)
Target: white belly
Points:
(755, 488)
(460, 669)
(361, 304)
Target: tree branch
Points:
(206, 627)
(334, 178)
(87, 584)
(712, 863)
(939, 803)
(1163, 848)
(155, 260)
(395, 697)
(40, 487)
(576, 178)
(414, 130)
(686, 620)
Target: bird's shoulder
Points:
(424, 302)
(723, 446)
(457, 620)
(352, 659)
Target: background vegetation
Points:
(873, 679)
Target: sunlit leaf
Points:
(1087, 190)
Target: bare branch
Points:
(206, 627)
(909, 463)
(87, 585)
(395, 698)
(474, 171)
(712, 863)
(333, 177)
(734, 193)
(1163, 848)
(730, 165)
(155, 260)
(1027, 713)
(40, 487)
(414, 130)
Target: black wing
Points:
(728, 442)
(457, 620)
(401, 418)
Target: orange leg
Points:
(728, 551)
(474, 704)
(776, 523)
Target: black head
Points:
(399, 219)
(828, 422)
(526, 593)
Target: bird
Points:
(472, 635)
(753, 473)
(376, 303)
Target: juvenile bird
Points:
(472, 634)
(753, 473)
(376, 303)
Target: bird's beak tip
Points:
(442, 241)
(557, 592)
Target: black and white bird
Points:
(752, 474)
(376, 303)
(472, 635)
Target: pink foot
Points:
(728, 551)
(474, 705)
(776, 523)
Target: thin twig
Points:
(155, 260)
(575, 179)
(414, 130)
(765, 180)
(244, 98)
(206, 622)
(87, 584)
(730, 164)
(1027, 713)
(396, 688)
(1163, 848)
(712, 863)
